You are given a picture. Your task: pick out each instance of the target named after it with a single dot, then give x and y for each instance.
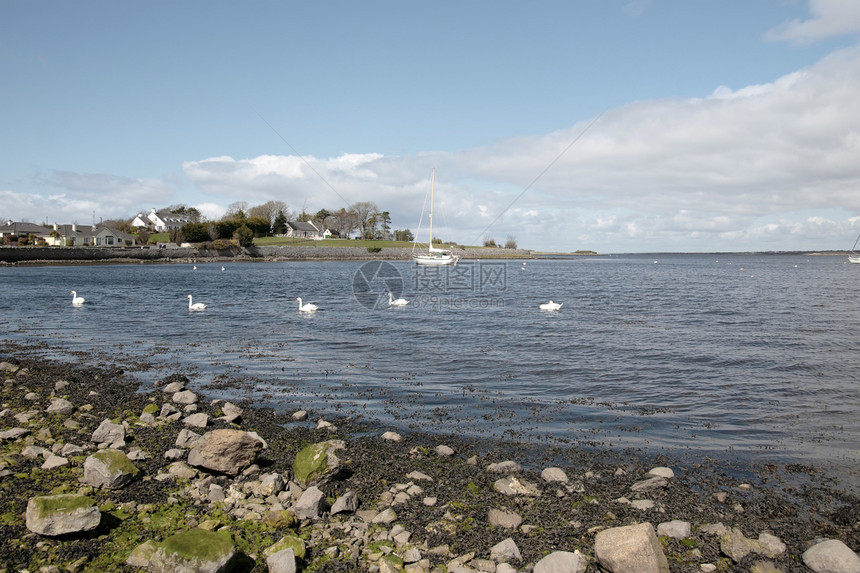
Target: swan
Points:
(222, 268)
(308, 307)
(77, 300)
(195, 305)
(551, 305)
(396, 301)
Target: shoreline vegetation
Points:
(297, 250)
(179, 482)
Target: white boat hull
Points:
(435, 260)
(854, 258)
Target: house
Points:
(20, 229)
(87, 236)
(160, 221)
(303, 230)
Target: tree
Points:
(405, 235)
(236, 210)
(190, 212)
(511, 243)
(490, 242)
(320, 218)
(269, 211)
(279, 224)
(365, 217)
(195, 232)
(244, 236)
(384, 219)
(342, 222)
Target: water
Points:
(753, 355)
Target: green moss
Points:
(289, 541)
(310, 462)
(116, 461)
(151, 409)
(473, 488)
(197, 544)
(65, 503)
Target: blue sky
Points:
(617, 126)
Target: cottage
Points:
(87, 236)
(303, 230)
(14, 229)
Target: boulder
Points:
(562, 562)
(194, 551)
(506, 467)
(109, 433)
(184, 397)
(630, 549)
(676, 529)
(505, 551)
(62, 514)
(317, 463)
(347, 503)
(283, 561)
(227, 451)
(554, 475)
(109, 469)
(310, 504)
(831, 556)
(60, 406)
(289, 541)
(231, 412)
(506, 519)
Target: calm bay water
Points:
(754, 355)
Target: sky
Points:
(618, 126)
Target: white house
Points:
(160, 221)
(87, 236)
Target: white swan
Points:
(195, 305)
(396, 301)
(308, 307)
(77, 300)
(551, 305)
(222, 268)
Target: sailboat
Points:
(853, 256)
(434, 256)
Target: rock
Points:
(109, 469)
(231, 412)
(300, 416)
(60, 406)
(506, 467)
(317, 463)
(227, 451)
(630, 549)
(13, 433)
(187, 438)
(140, 555)
(505, 551)
(198, 420)
(310, 504)
(174, 387)
(62, 514)
(662, 472)
(764, 567)
(506, 519)
(184, 397)
(193, 551)
(650, 484)
(54, 462)
(512, 486)
(386, 517)
(444, 451)
(831, 556)
(562, 562)
(392, 437)
(283, 561)
(271, 484)
(109, 433)
(347, 503)
(642, 504)
(554, 475)
(288, 541)
(676, 529)
(418, 476)
(736, 546)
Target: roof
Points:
(21, 228)
(302, 226)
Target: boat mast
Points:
(432, 188)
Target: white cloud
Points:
(829, 18)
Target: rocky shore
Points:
(97, 474)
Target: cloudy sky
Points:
(617, 126)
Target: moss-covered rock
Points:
(288, 541)
(317, 463)
(110, 469)
(195, 550)
(62, 514)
